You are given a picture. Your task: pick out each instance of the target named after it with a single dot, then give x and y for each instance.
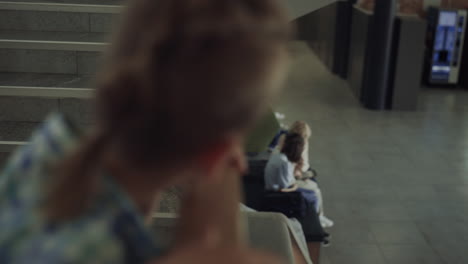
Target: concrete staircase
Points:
(48, 54)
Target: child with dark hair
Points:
(280, 173)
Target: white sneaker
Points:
(325, 222)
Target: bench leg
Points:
(314, 251)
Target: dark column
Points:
(378, 64)
(342, 38)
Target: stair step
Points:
(22, 131)
(7, 146)
(50, 52)
(33, 16)
(45, 92)
(55, 36)
(39, 61)
(76, 2)
(48, 61)
(29, 97)
(44, 80)
(72, 6)
(36, 109)
(36, 40)
(22, 109)
(13, 134)
(21, 101)
(16, 131)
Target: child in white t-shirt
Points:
(302, 171)
(279, 170)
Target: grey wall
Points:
(409, 60)
(327, 32)
(464, 67)
(358, 50)
(343, 37)
(299, 8)
(318, 29)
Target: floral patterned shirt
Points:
(112, 231)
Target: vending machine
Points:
(446, 36)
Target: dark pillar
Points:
(378, 66)
(342, 38)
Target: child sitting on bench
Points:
(279, 171)
(303, 174)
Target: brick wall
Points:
(416, 6)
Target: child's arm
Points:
(298, 169)
(290, 189)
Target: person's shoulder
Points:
(277, 158)
(283, 158)
(277, 155)
(128, 226)
(112, 236)
(74, 242)
(94, 246)
(280, 161)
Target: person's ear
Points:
(225, 154)
(238, 158)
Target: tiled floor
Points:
(396, 183)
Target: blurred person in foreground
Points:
(181, 86)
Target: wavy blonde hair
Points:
(301, 128)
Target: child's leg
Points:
(312, 186)
(318, 193)
(307, 184)
(310, 196)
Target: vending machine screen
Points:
(444, 45)
(448, 18)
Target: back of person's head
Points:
(184, 73)
(181, 76)
(301, 128)
(293, 147)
